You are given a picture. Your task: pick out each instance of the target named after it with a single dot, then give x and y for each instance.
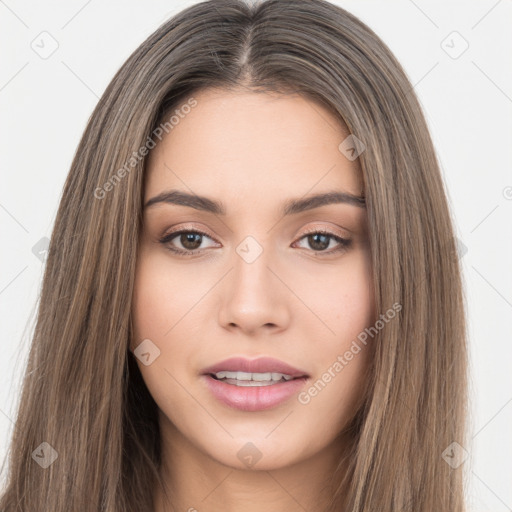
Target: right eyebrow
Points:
(181, 198)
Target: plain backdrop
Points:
(57, 59)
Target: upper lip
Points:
(260, 365)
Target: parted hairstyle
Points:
(83, 393)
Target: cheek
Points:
(342, 357)
(332, 398)
(342, 299)
(162, 298)
(160, 304)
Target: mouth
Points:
(253, 385)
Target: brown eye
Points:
(319, 241)
(190, 241)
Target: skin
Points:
(252, 151)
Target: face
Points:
(284, 288)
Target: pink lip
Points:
(254, 398)
(261, 365)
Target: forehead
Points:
(242, 145)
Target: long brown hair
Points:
(83, 394)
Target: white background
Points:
(45, 104)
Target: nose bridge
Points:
(251, 275)
(252, 295)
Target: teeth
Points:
(261, 376)
(256, 377)
(279, 376)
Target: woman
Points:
(252, 296)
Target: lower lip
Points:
(253, 398)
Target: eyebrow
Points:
(290, 207)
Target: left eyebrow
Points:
(290, 207)
(293, 206)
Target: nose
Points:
(253, 298)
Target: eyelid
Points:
(188, 228)
(343, 243)
(327, 230)
(342, 240)
(301, 234)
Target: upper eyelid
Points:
(188, 230)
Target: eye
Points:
(190, 240)
(320, 240)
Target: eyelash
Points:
(344, 243)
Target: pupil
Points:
(316, 244)
(191, 241)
